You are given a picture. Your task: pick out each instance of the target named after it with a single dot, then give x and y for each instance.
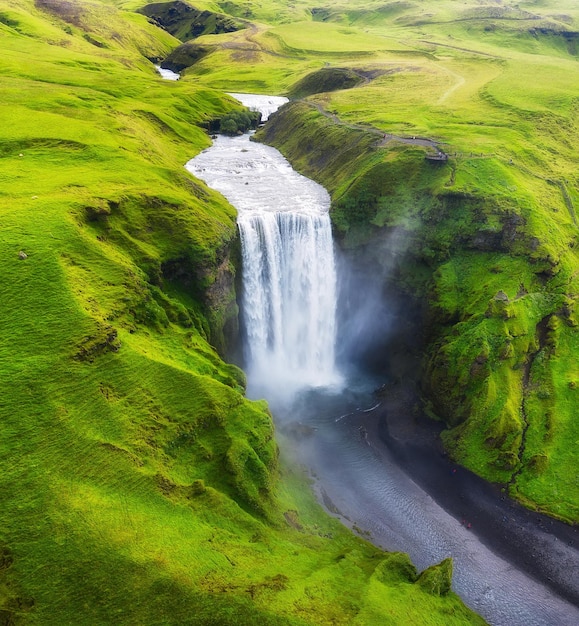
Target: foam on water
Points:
(167, 74)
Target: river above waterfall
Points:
(331, 429)
(167, 74)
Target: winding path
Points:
(460, 81)
(385, 138)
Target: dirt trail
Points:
(384, 137)
(446, 45)
(460, 81)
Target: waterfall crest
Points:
(289, 299)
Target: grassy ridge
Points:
(138, 484)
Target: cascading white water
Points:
(167, 74)
(289, 298)
(289, 277)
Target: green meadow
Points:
(139, 486)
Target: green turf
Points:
(139, 486)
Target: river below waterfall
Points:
(331, 427)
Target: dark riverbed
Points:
(541, 546)
(382, 470)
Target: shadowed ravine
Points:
(368, 484)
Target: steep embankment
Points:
(139, 486)
(186, 23)
(496, 270)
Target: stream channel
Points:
(512, 567)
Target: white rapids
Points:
(167, 74)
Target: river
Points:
(357, 477)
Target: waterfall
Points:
(289, 299)
(288, 306)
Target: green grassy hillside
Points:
(139, 486)
(489, 234)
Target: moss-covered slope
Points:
(497, 269)
(326, 79)
(185, 22)
(139, 486)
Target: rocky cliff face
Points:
(213, 284)
(186, 22)
(220, 299)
